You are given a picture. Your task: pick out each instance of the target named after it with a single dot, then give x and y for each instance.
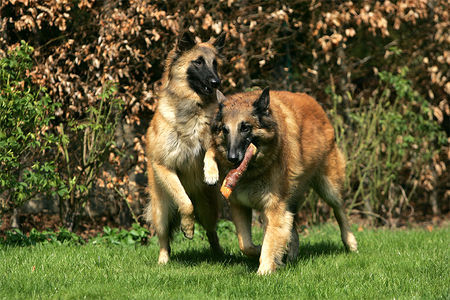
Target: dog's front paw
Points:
(211, 172)
(163, 257)
(266, 269)
(187, 226)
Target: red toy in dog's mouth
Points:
(232, 178)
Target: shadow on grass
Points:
(307, 251)
(195, 257)
(310, 251)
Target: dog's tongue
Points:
(234, 175)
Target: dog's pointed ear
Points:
(220, 97)
(186, 42)
(261, 105)
(220, 41)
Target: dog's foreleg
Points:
(158, 213)
(278, 232)
(242, 218)
(169, 180)
(210, 168)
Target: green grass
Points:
(397, 264)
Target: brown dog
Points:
(177, 139)
(296, 149)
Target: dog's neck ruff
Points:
(185, 111)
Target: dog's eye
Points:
(225, 130)
(215, 64)
(245, 127)
(199, 61)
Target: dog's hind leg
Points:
(207, 213)
(242, 218)
(164, 248)
(169, 181)
(328, 186)
(159, 213)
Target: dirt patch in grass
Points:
(90, 227)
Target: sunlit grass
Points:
(390, 264)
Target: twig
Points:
(128, 204)
(370, 214)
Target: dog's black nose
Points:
(233, 157)
(215, 82)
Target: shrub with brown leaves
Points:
(296, 45)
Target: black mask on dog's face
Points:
(201, 71)
(202, 75)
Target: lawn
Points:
(400, 264)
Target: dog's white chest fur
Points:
(188, 138)
(187, 147)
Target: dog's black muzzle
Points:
(210, 85)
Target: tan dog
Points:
(296, 149)
(177, 139)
